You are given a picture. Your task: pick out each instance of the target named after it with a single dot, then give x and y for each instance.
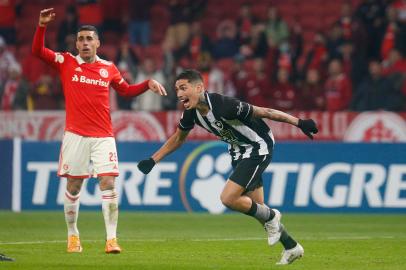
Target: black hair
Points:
(88, 28)
(191, 75)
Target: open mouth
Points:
(86, 50)
(185, 102)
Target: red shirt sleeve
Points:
(126, 90)
(38, 49)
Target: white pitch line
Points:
(209, 239)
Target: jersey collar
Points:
(81, 61)
(207, 97)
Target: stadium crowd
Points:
(288, 55)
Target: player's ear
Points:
(200, 87)
(98, 43)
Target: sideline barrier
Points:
(303, 177)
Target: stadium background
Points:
(339, 62)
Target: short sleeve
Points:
(186, 121)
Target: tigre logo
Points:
(59, 58)
(84, 79)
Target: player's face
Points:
(188, 93)
(87, 43)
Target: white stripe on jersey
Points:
(200, 117)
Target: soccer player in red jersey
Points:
(88, 137)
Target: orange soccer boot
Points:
(74, 245)
(112, 246)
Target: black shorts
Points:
(248, 171)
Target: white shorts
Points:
(78, 153)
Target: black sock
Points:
(261, 212)
(287, 241)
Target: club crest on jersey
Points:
(104, 73)
(219, 124)
(59, 58)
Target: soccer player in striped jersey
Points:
(88, 137)
(250, 145)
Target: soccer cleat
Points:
(112, 246)
(74, 245)
(290, 255)
(274, 228)
(5, 258)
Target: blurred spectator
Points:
(245, 22)
(7, 59)
(213, 78)
(149, 101)
(113, 17)
(198, 44)
(395, 70)
(226, 45)
(67, 29)
(182, 12)
(255, 46)
(127, 56)
(400, 6)
(338, 88)
(312, 95)
(9, 11)
(139, 18)
(391, 30)
(377, 92)
(372, 14)
(345, 20)
(283, 94)
(90, 12)
(14, 91)
(277, 30)
(335, 40)
(317, 57)
(354, 64)
(296, 48)
(45, 95)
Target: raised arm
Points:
(173, 143)
(38, 47)
(308, 126)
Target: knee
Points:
(227, 200)
(106, 183)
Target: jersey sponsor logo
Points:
(84, 79)
(59, 58)
(104, 73)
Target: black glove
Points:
(308, 126)
(146, 165)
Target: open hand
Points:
(46, 16)
(157, 88)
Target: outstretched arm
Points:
(308, 126)
(126, 90)
(173, 143)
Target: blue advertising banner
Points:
(303, 177)
(6, 169)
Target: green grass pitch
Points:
(201, 241)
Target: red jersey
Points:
(86, 88)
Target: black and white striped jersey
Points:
(231, 120)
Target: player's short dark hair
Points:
(88, 27)
(191, 75)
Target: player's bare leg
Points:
(110, 212)
(71, 210)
